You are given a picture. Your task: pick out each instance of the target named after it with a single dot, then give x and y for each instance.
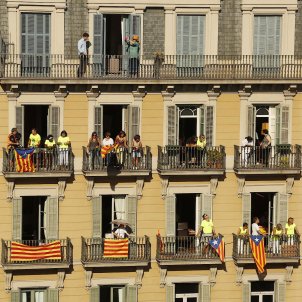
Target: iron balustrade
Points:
(277, 157)
(44, 160)
(66, 251)
(169, 67)
(173, 157)
(127, 159)
(139, 249)
(184, 248)
(285, 246)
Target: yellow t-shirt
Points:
(243, 231)
(290, 229)
(277, 234)
(49, 144)
(207, 226)
(201, 144)
(64, 142)
(34, 140)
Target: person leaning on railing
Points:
(34, 141)
(64, 145)
(291, 231)
(13, 142)
(50, 146)
(277, 238)
(121, 142)
(93, 150)
(201, 145)
(137, 150)
(243, 234)
(205, 232)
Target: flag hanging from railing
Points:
(217, 243)
(22, 252)
(116, 248)
(24, 160)
(258, 251)
(106, 149)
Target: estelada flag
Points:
(116, 248)
(24, 160)
(217, 244)
(258, 251)
(106, 149)
(22, 252)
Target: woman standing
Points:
(64, 145)
(133, 51)
(93, 149)
(265, 147)
(121, 142)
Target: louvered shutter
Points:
(52, 295)
(199, 210)
(52, 218)
(97, 217)
(95, 294)
(202, 129)
(246, 208)
(172, 126)
(207, 205)
(170, 293)
(134, 122)
(20, 122)
(98, 120)
(15, 296)
(17, 219)
(54, 121)
(98, 40)
(278, 124)
(246, 292)
(251, 117)
(170, 215)
(131, 293)
(209, 125)
(282, 208)
(131, 210)
(204, 292)
(280, 291)
(284, 132)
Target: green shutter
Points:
(280, 291)
(52, 295)
(246, 292)
(95, 294)
(170, 293)
(170, 215)
(131, 209)
(52, 218)
(17, 218)
(20, 122)
(199, 213)
(246, 208)
(134, 122)
(251, 116)
(98, 120)
(284, 123)
(98, 38)
(282, 208)
(131, 293)
(202, 119)
(54, 122)
(172, 125)
(15, 296)
(209, 125)
(207, 205)
(97, 217)
(204, 292)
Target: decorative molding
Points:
(139, 277)
(239, 273)
(163, 275)
(8, 281)
(61, 93)
(140, 93)
(10, 189)
(245, 93)
(213, 185)
(290, 93)
(61, 188)
(139, 187)
(214, 93)
(90, 185)
(288, 273)
(164, 187)
(241, 182)
(13, 93)
(289, 185)
(93, 93)
(213, 273)
(60, 281)
(88, 278)
(168, 94)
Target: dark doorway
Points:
(106, 214)
(114, 43)
(187, 130)
(185, 213)
(113, 119)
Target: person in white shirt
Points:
(120, 232)
(83, 54)
(255, 226)
(107, 141)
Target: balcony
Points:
(9, 263)
(125, 163)
(276, 160)
(178, 160)
(197, 69)
(285, 250)
(139, 253)
(185, 250)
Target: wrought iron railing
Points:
(173, 157)
(184, 248)
(126, 159)
(203, 67)
(43, 160)
(139, 249)
(285, 246)
(279, 157)
(65, 246)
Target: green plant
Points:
(214, 158)
(284, 161)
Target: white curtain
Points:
(24, 297)
(120, 295)
(46, 206)
(39, 296)
(119, 206)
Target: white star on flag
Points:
(256, 239)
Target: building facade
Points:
(223, 68)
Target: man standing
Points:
(83, 54)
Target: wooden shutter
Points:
(134, 122)
(170, 215)
(131, 209)
(202, 119)
(15, 296)
(280, 291)
(98, 120)
(251, 118)
(52, 295)
(172, 121)
(52, 218)
(20, 122)
(246, 292)
(131, 293)
(207, 205)
(97, 217)
(95, 294)
(170, 293)
(199, 213)
(246, 208)
(98, 38)
(281, 208)
(204, 292)
(209, 125)
(17, 219)
(54, 125)
(272, 124)
(284, 124)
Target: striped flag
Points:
(116, 248)
(22, 252)
(258, 250)
(218, 245)
(106, 149)
(24, 160)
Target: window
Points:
(114, 293)
(33, 295)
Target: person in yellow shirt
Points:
(243, 233)
(207, 231)
(64, 144)
(201, 145)
(34, 139)
(291, 230)
(50, 145)
(276, 238)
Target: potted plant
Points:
(214, 159)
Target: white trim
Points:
(35, 190)
(187, 279)
(188, 188)
(33, 284)
(119, 189)
(267, 187)
(112, 281)
(269, 277)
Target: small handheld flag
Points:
(258, 251)
(217, 244)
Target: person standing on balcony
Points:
(93, 150)
(206, 230)
(50, 145)
(109, 153)
(265, 147)
(243, 234)
(13, 142)
(291, 231)
(276, 238)
(83, 54)
(247, 150)
(201, 145)
(133, 52)
(121, 232)
(34, 139)
(121, 142)
(255, 227)
(137, 150)
(64, 144)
